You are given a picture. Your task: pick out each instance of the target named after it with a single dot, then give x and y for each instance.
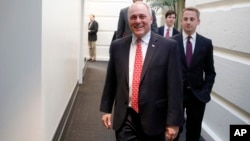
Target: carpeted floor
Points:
(84, 122)
(85, 119)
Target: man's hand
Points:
(106, 120)
(171, 132)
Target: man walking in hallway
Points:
(143, 83)
(168, 30)
(196, 55)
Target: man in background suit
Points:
(92, 37)
(123, 26)
(159, 113)
(198, 73)
(168, 29)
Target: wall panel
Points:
(233, 81)
(218, 119)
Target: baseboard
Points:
(64, 120)
(209, 134)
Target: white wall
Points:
(61, 21)
(39, 59)
(225, 22)
(20, 70)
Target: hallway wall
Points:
(39, 59)
(61, 22)
(20, 70)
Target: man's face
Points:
(169, 20)
(139, 20)
(189, 22)
(91, 17)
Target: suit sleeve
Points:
(209, 70)
(94, 30)
(109, 90)
(154, 27)
(120, 26)
(175, 114)
(160, 30)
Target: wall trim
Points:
(64, 120)
(209, 134)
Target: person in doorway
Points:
(143, 83)
(168, 29)
(196, 55)
(123, 26)
(92, 37)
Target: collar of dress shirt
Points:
(145, 38)
(170, 28)
(192, 40)
(185, 35)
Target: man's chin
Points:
(139, 33)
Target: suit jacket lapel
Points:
(152, 47)
(90, 24)
(196, 49)
(181, 48)
(197, 46)
(126, 50)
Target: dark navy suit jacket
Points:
(161, 31)
(160, 90)
(200, 75)
(92, 35)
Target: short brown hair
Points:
(193, 9)
(170, 12)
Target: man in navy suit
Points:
(168, 29)
(198, 74)
(159, 114)
(123, 26)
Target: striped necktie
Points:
(189, 50)
(167, 33)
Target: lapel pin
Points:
(153, 45)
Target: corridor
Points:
(84, 123)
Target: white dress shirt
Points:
(144, 42)
(192, 40)
(170, 30)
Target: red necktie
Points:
(188, 50)
(167, 33)
(136, 76)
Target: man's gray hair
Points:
(140, 2)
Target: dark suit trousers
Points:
(132, 130)
(194, 114)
